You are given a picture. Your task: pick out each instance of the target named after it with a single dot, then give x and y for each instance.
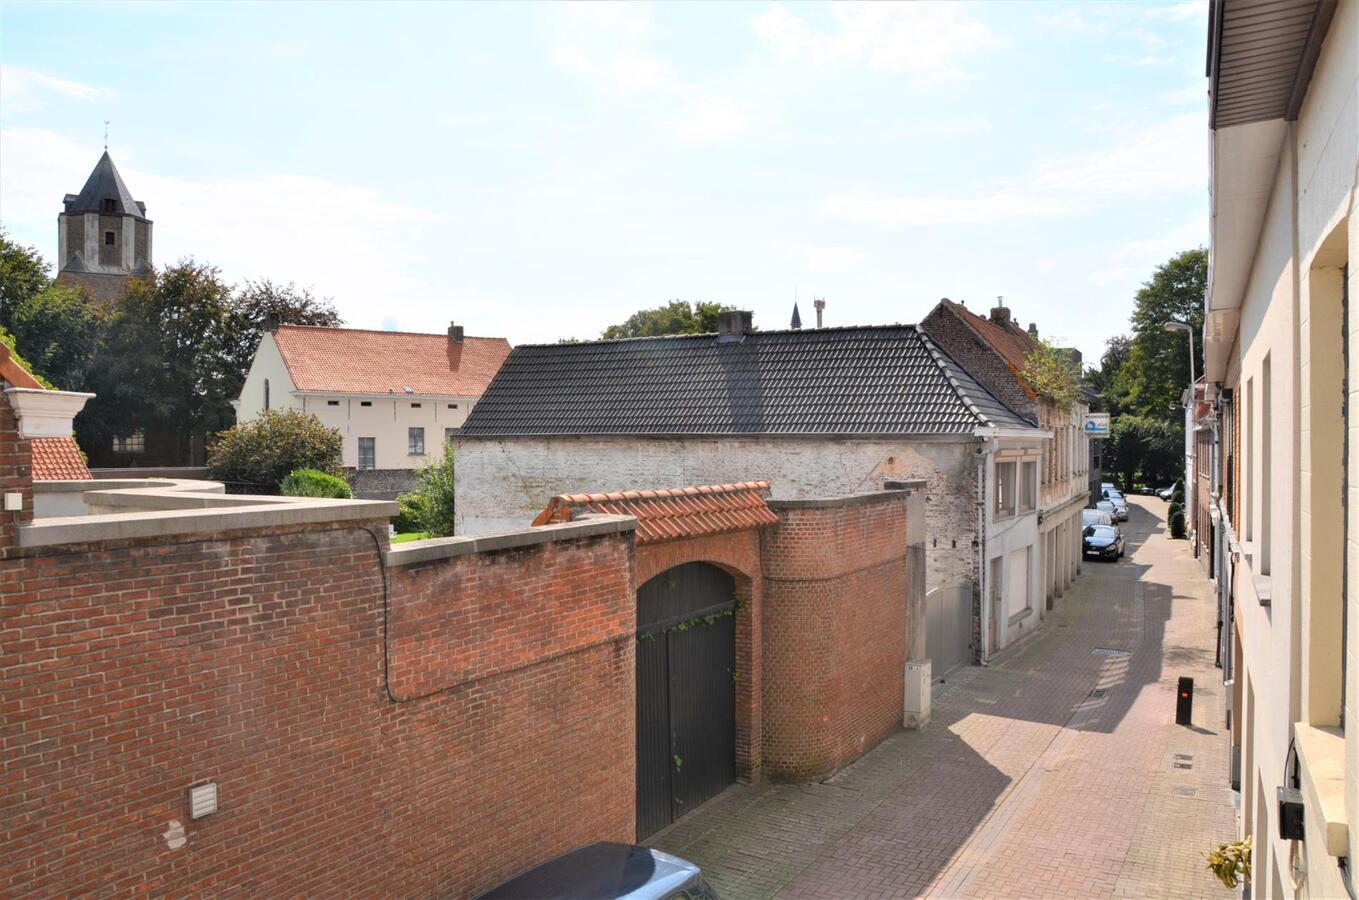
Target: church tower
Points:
(103, 235)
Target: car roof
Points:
(1103, 526)
(601, 870)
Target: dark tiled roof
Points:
(103, 184)
(867, 380)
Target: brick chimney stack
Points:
(734, 324)
(1000, 313)
(1033, 330)
(455, 332)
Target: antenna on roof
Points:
(106, 135)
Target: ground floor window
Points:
(415, 441)
(132, 443)
(367, 453)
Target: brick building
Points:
(207, 693)
(814, 413)
(995, 350)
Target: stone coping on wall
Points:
(158, 508)
(847, 499)
(413, 552)
(125, 484)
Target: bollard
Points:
(1184, 702)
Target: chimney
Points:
(271, 322)
(1033, 330)
(1000, 313)
(733, 325)
(455, 332)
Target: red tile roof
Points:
(668, 515)
(355, 361)
(58, 459)
(1013, 343)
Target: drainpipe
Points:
(983, 453)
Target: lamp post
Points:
(1189, 479)
(1189, 333)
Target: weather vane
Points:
(106, 134)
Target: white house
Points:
(396, 397)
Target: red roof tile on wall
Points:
(355, 361)
(667, 515)
(58, 459)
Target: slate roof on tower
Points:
(857, 380)
(356, 361)
(103, 184)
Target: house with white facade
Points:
(396, 397)
(815, 413)
(996, 351)
(1278, 397)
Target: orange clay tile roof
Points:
(354, 361)
(58, 459)
(668, 515)
(1013, 344)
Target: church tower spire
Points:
(103, 235)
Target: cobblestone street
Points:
(1056, 772)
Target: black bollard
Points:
(1184, 702)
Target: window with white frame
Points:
(1006, 476)
(415, 441)
(131, 443)
(1028, 487)
(367, 453)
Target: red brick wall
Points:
(256, 660)
(16, 475)
(834, 633)
(739, 555)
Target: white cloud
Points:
(349, 243)
(1163, 159)
(1189, 96)
(26, 90)
(927, 41)
(1134, 258)
(712, 119)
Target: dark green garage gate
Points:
(686, 692)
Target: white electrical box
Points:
(14, 502)
(202, 800)
(917, 700)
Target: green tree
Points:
(1156, 372)
(311, 483)
(272, 445)
(60, 331)
(165, 364)
(675, 317)
(23, 273)
(430, 506)
(1105, 378)
(1143, 449)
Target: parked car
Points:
(1096, 517)
(1120, 505)
(1107, 506)
(1102, 541)
(607, 871)
(1107, 486)
(1166, 493)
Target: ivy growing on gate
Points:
(688, 623)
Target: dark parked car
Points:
(1103, 541)
(607, 871)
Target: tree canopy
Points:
(23, 273)
(675, 317)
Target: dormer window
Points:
(109, 239)
(110, 205)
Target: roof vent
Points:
(734, 324)
(455, 332)
(1033, 329)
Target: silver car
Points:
(1120, 505)
(1096, 517)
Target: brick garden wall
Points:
(834, 632)
(16, 476)
(256, 659)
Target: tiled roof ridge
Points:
(434, 334)
(980, 326)
(691, 491)
(936, 352)
(894, 326)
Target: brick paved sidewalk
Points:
(1025, 784)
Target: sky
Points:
(539, 171)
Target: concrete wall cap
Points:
(43, 413)
(445, 548)
(161, 523)
(125, 484)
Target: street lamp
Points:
(1189, 332)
